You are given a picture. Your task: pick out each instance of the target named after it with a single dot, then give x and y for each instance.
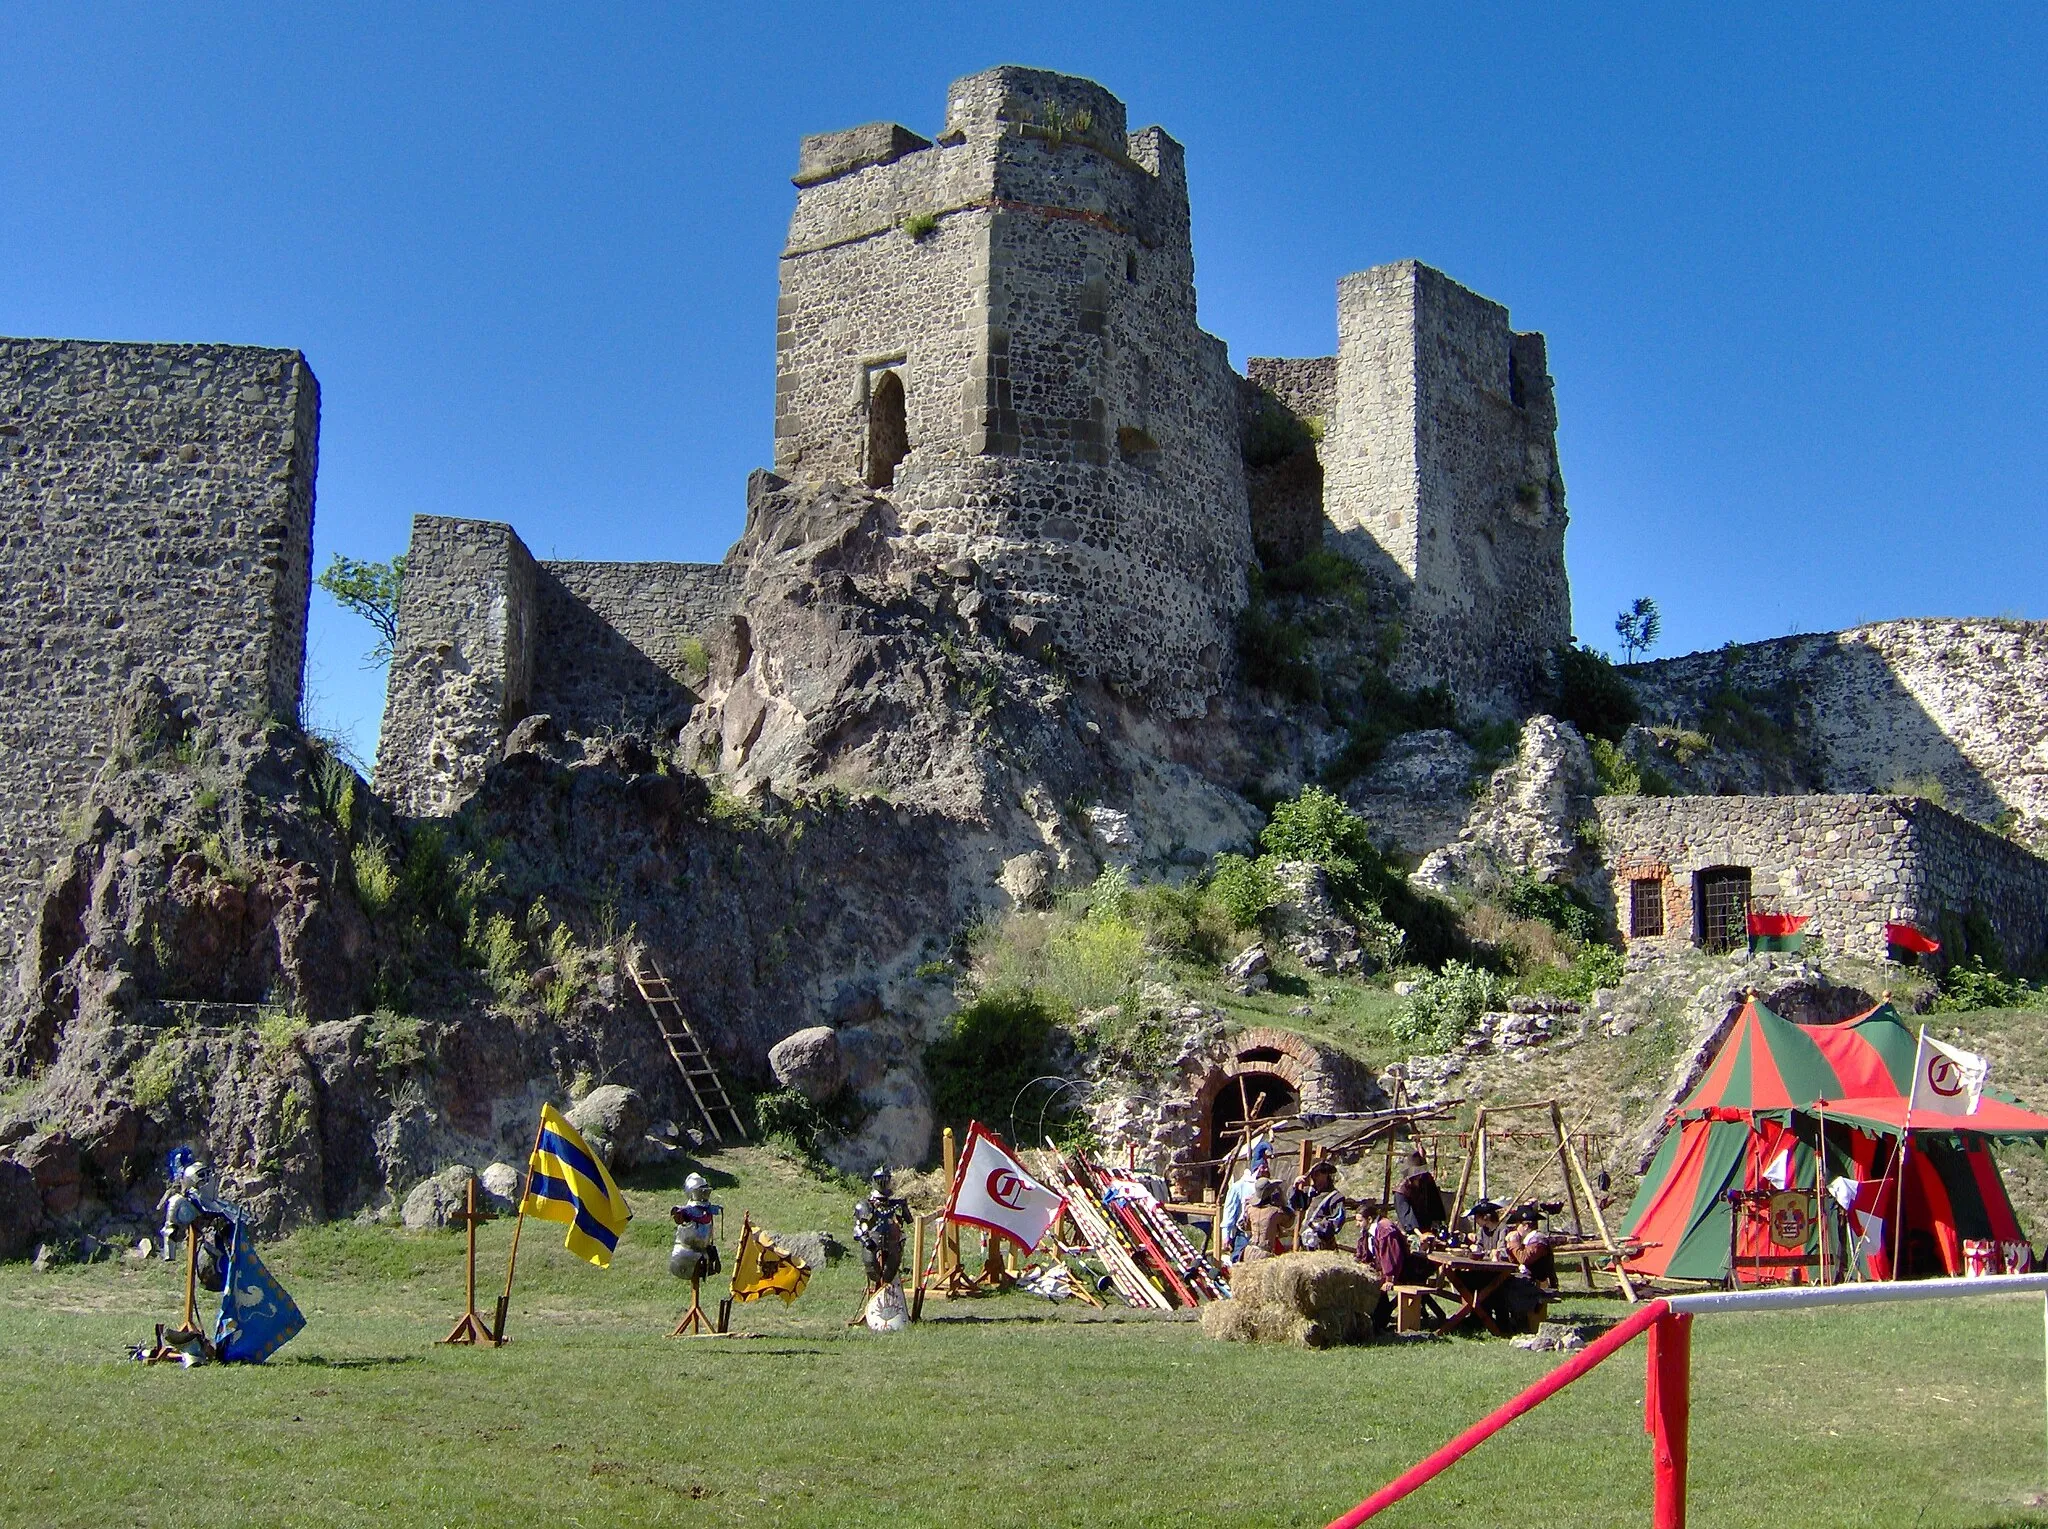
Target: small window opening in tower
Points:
(1514, 381)
(888, 431)
(1130, 265)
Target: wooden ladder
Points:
(699, 1076)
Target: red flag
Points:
(1906, 937)
(1763, 925)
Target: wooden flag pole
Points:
(917, 1264)
(518, 1226)
(471, 1328)
(190, 1321)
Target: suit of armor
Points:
(878, 1223)
(695, 1253)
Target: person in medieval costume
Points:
(878, 1222)
(1243, 1194)
(695, 1253)
(1418, 1202)
(1321, 1204)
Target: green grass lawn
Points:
(997, 1413)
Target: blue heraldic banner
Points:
(257, 1318)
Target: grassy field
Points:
(998, 1413)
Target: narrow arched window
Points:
(888, 431)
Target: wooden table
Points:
(1474, 1279)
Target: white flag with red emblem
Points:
(1946, 1079)
(993, 1191)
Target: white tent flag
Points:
(1946, 1079)
(994, 1192)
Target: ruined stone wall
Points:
(1855, 863)
(1441, 473)
(1876, 707)
(1071, 428)
(462, 667)
(157, 509)
(611, 640)
(486, 636)
(1305, 384)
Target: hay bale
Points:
(1313, 1299)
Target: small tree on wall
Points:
(1638, 628)
(370, 590)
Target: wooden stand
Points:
(1578, 1193)
(472, 1328)
(694, 1321)
(188, 1323)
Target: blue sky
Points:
(1791, 267)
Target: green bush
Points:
(1592, 968)
(789, 1117)
(1094, 961)
(1592, 695)
(991, 1051)
(153, 1078)
(393, 1040)
(495, 945)
(1316, 826)
(1619, 775)
(1245, 890)
(1971, 984)
(1274, 654)
(1562, 908)
(376, 878)
(921, 225)
(1274, 433)
(1446, 1004)
(1318, 573)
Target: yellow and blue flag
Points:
(566, 1182)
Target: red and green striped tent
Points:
(1754, 1118)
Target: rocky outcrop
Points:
(1528, 820)
(1417, 796)
(1884, 707)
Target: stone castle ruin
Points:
(983, 636)
(157, 503)
(996, 330)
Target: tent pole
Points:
(1820, 1189)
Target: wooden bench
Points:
(1415, 1308)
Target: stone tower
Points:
(997, 329)
(1440, 472)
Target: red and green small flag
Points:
(1778, 931)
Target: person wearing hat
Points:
(1264, 1223)
(1321, 1204)
(1418, 1202)
(1486, 1228)
(1518, 1303)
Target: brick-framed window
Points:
(1645, 907)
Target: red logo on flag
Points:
(1006, 1189)
(1944, 1077)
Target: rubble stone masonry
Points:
(157, 505)
(1855, 863)
(1027, 281)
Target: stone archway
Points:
(888, 430)
(1274, 1073)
